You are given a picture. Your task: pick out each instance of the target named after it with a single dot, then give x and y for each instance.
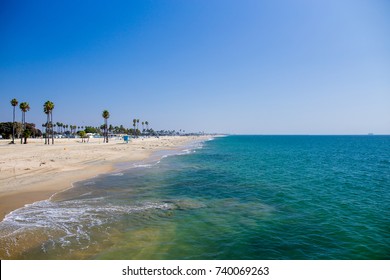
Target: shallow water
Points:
(236, 197)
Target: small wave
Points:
(116, 174)
(90, 183)
(144, 165)
(86, 194)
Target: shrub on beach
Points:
(6, 130)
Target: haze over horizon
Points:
(241, 67)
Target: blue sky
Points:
(257, 67)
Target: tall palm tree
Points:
(147, 125)
(14, 103)
(24, 107)
(48, 109)
(143, 126)
(105, 116)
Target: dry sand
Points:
(35, 171)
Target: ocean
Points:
(234, 197)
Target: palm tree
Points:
(24, 106)
(48, 109)
(143, 126)
(105, 116)
(147, 125)
(14, 103)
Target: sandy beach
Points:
(35, 171)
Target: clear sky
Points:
(257, 67)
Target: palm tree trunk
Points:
(52, 131)
(23, 127)
(21, 138)
(47, 124)
(106, 132)
(13, 128)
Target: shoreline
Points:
(34, 172)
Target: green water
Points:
(237, 197)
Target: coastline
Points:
(34, 172)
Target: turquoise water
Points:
(236, 197)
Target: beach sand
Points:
(35, 171)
